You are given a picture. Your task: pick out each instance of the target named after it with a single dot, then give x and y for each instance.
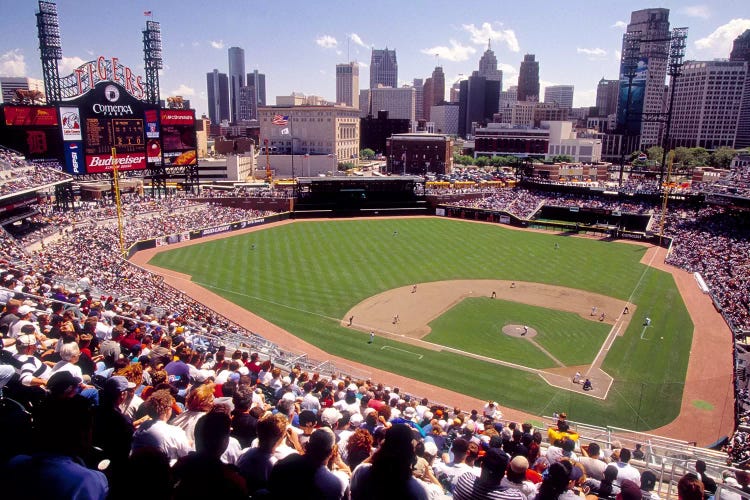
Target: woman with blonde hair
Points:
(198, 402)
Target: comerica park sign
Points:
(109, 69)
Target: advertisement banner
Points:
(126, 161)
(178, 138)
(637, 95)
(153, 151)
(152, 123)
(16, 116)
(74, 158)
(70, 123)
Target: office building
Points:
(706, 105)
(647, 91)
(741, 52)
(364, 103)
(564, 141)
(418, 85)
(217, 91)
(436, 91)
(445, 118)
(528, 79)
(606, 96)
(9, 85)
(426, 99)
(256, 82)
(383, 68)
(347, 84)
(496, 139)
(478, 102)
(374, 131)
(398, 102)
(561, 95)
(312, 130)
(488, 66)
(455, 92)
(236, 80)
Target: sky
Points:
(297, 44)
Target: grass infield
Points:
(305, 276)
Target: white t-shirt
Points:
(168, 438)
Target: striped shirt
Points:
(32, 367)
(470, 487)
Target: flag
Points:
(285, 131)
(146, 12)
(280, 120)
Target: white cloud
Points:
(68, 64)
(701, 11)
(620, 25)
(12, 63)
(618, 55)
(719, 43)
(362, 64)
(595, 54)
(196, 44)
(357, 40)
(583, 98)
(217, 44)
(183, 90)
(480, 36)
(507, 70)
(326, 41)
(456, 52)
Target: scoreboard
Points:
(124, 134)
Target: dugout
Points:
(360, 196)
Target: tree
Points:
(722, 157)
(346, 165)
(681, 156)
(655, 153)
(699, 157)
(367, 154)
(482, 161)
(562, 159)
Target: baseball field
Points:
(479, 309)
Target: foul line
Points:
(402, 350)
(596, 363)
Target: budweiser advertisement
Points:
(104, 163)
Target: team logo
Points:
(111, 93)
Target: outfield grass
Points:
(305, 276)
(475, 325)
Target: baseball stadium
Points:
(591, 312)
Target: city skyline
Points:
(300, 53)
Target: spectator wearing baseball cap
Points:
(113, 431)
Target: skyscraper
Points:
(562, 95)
(488, 66)
(651, 27)
(257, 82)
(383, 68)
(478, 101)
(236, 80)
(217, 89)
(418, 85)
(426, 99)
(528, 79)
(398, 102)
(347, 84)
(606, 96)
(706, 105)
(741, 52)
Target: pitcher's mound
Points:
(519, 331)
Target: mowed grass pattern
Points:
(305, 276)
(476, 324)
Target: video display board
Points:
(178, 137)
(31, 130)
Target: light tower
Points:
(152, 60)
(50, 46)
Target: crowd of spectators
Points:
(156, 389)
(16, 174)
